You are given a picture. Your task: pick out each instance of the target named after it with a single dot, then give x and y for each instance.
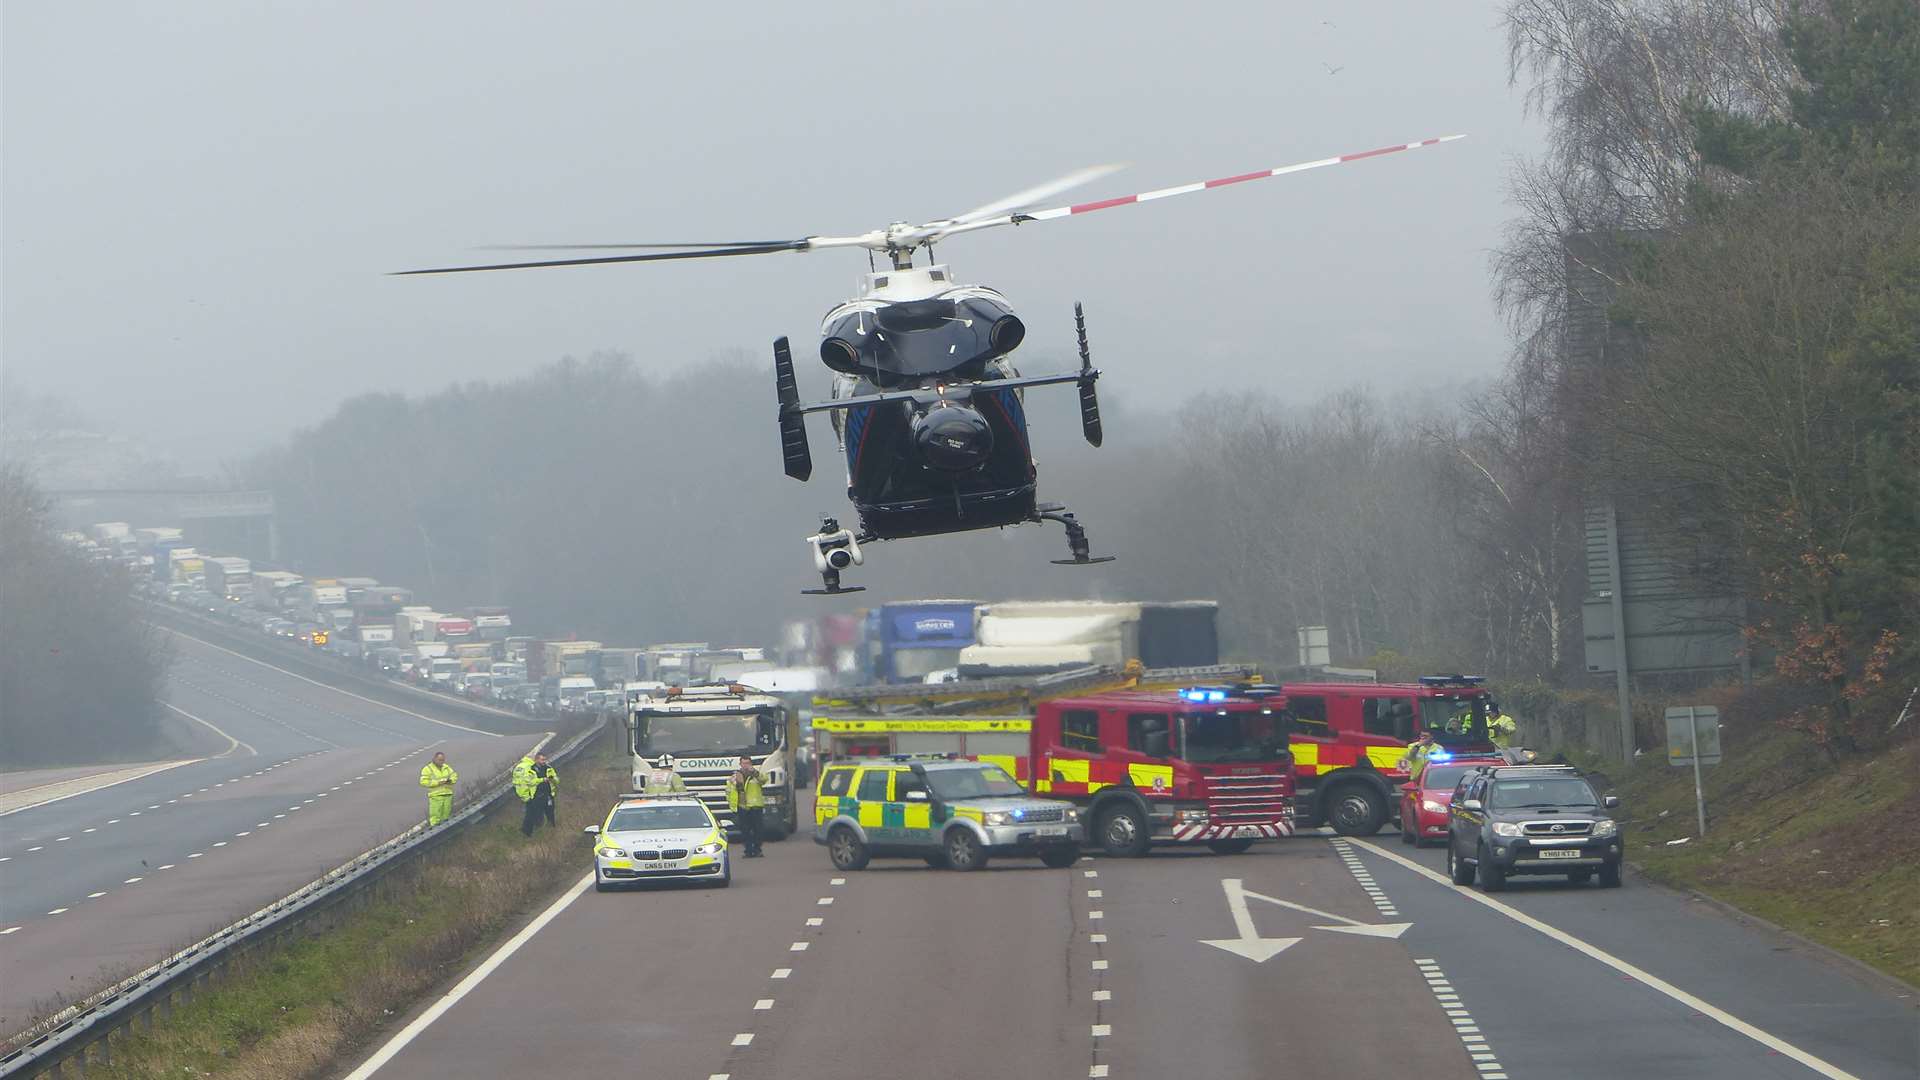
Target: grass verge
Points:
(296, 1009)
(1823, 850)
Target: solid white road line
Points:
(45, 794)
(1720, 1016)
(452, 997)
(337, 690)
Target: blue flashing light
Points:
(1439, 755)
(1203, 696)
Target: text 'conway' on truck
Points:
(706, 730)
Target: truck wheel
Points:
(846, 850)
(1492, 877)
(1610, 876)
(1228, 847)
(1356, 810)
(1459, 872)
(1059, 858)
(1123, 832)
(963, 850)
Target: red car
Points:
(1424, 802)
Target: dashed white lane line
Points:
(1103, 995)
(1099, 965)
(798, 946)
(40, 847)
(825, 901)
(1094, 894)
(1091, 873)
(1096, 1070)
(1646, 978)
(1096, 914)
(1364, 876)
(1478, 1049)
(9, 930)
(168, 866)
(219, 843)
(1101, 1031)
(96, 895)
(57, 839)
(196, 854)
(57, 911)
(1097, 939)
(745, 1038)
(131, 880)
(763, 1005)
(781, 973)
(838, 881)
(816, 921)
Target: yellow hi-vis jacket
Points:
(1415, 759)
(526, 780)
(1501, 729)
(744, 795)
(438, 779)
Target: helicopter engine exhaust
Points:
(1007, 334)
(952, 437)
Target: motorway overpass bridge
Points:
(223, 522)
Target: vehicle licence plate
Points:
(1051, 830)
(1560, 853)
(666, 865)
(1247, 830)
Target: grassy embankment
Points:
(1824, 850)
(294, 1010)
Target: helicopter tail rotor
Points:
(794, 451)
(1089, 398)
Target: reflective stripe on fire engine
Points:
(1068, 770)
(1006, 761)
(1203, 832)
(1306, 758)
(1386, 757)
(1151, 777)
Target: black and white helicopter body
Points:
(927, 405)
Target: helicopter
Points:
(926, 404)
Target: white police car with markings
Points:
(659, 838)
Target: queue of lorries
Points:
(1121, 712)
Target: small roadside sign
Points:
(1693, 739)
(1693, 729)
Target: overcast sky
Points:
(201, 198)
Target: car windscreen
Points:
(1443, 777)
(1553, 792)
(986, 781)
(705, 733)
(658, 818)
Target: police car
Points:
(659, 838)
(950, 811)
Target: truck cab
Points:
(1348, 739)
(706, 730)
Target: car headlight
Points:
(1190, 816)
(1506, 828)
(613, 852)
(1073, 814)
(996, 817)
(714, 848)
(1432, 807)
(1605, 828)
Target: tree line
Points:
(80, 669)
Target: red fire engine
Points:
(1348, 739)
(1204, 764)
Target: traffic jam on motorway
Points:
(1105, 725)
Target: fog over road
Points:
(1112, 968)
(104, 883)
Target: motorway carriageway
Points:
(1314, 957)
(97, 885)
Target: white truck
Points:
(1022, 638)
(707, 730)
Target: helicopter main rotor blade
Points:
(631, 247)
(658, 256)
(1023, 199)
(1187, 189)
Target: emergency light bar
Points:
(1452, 680)
(1438, 755)
(1203, 696)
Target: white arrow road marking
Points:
(1258, 949)
(1249, 944)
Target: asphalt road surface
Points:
(98, 885)
(1306, 957)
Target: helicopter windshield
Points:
(909, 341)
